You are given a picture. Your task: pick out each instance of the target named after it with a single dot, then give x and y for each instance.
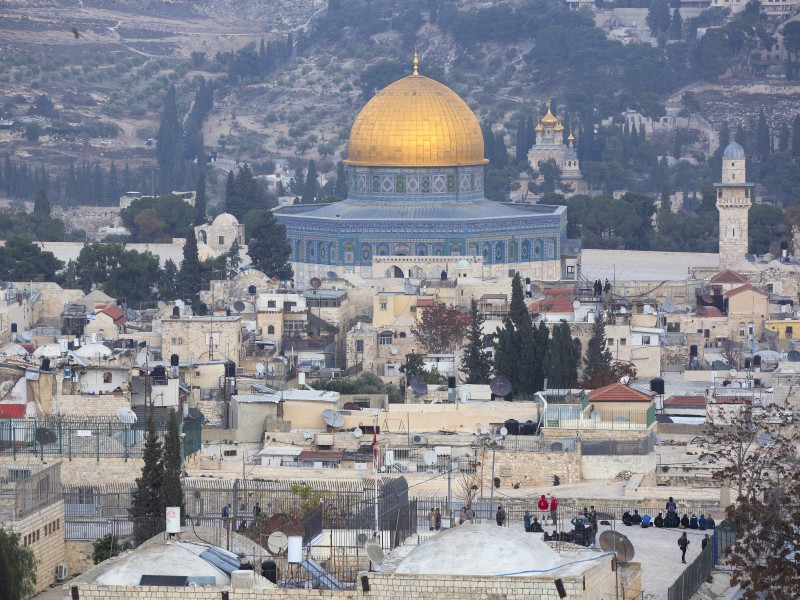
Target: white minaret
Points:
(734, 198)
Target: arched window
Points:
(271, 329)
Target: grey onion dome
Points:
(733, 151)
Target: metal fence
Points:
(84, 438)
(26, 489)
(574, 416)
(695, 574)
(640, 447)
(533, 443)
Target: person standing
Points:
(464, 517)
(432, 520)
(526, 520)
(554, 510)
(593, 517)
(544, 506)
(226, 515)
(500, 517)
(257, 510)
(683, 544)
(706, 541)
(438, 522)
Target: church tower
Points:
(734, 198)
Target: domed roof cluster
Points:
(479, 549)
(416, 122)
(733, 151)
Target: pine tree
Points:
(41, 205)
(172, 464)
(476, 363)
(200, 200)
(168, 284)
(145, 510)
(340, 189)
(268, 248)
(310, 189)
(189, 279)
(597, 361)
(233, 260)
(562, 359)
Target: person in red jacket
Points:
(543, 506)
(554, 509)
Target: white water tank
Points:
(295, 549)
(301, 378)
(173, 519)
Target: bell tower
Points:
(734, 198)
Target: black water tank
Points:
(45, 364)
(269, 570)
(230, 369)
(657, 385)
(227, 312)
(176, 312)
(13, 328)
(757, 360)
(159, 371)
(527, 428)
(203, 309)
(451, 383)
(693, 350)
(174, 360)
(443, 275)
(747, 363)
(512, 426)
(252, 290)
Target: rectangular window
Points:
(610, 341)
(359, 345)
(622, 341)
(221, 240)
(383, 305)
(271, 304)
(789, 332)
(385, 339)
(741, 329)
(229, 453)
(645, 340)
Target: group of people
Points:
(435, 519)
(226, 515)
(599, 288)
(670, 520)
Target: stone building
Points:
(415, 171)
(550, 145)
(734, 198)
(217, 237)
(202, 338)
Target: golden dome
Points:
(549, 120)
(571, 137)
(559, 126)
(539, 127)
(416, 122)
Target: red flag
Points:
(375, 448)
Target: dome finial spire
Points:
(416, 62)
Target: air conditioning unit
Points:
(419, 440)
(62, 570)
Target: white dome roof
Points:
(225, 220)
(93, 351)
(479, 549)
(13, 350)
(733, 151)
(47, 351)
(463, 264)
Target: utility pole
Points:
(449, 490)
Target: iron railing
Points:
(94, 437)
(696, 573)
(639, 447)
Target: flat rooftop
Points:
(627, 265)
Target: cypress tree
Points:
(724, 135)
(477, 364)
(506, 353)
(763, 137)
(189, 280)
(597, 361)
(41, 205)
(517, 311)
(740, 137)
(541, 343)
(562, 359)
(340, 189)
(783, 138)
(168, 146)
(521, 148)
(172, 463)
(666, 202)
(200, 200)
(268, 248)
(528, 367)
(232, 204)
(145, 510)
(310, 188)
(796, 136)
(676, 26)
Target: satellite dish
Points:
(357, 433)
(361, 538)
(393, 351)
(238, 306)
(161, 305)
(315, 282)
(64, 300)
(419, 387)
(648, 310)
(624, 379)
(734, 372)
(622, 310)
(429, 458)
(126, 415)
(307, 435)
(478, 428)
(333, 418)
(179, 303)
(374, 552)
(612, 541)
(280, 522)
(503, 431)
(260, 368)
(500, 386)
(277, 543)
(793, 356)
(576, 305)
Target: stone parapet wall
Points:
(91, 405)
(85, 591)
(78, 556)
(530, 468)
(43, 532)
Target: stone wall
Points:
(85, 405)
(78, 557)
(530, 468)
(608, 467)
(43, 532)
(85, 591)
